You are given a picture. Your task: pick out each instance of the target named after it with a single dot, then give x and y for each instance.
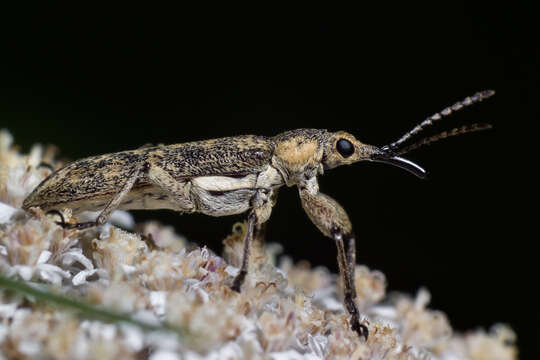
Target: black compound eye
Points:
(345, 147)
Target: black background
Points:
(102, 80)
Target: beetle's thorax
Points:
(298, 154)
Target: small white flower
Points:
(423, 297)
(163, 340)
(202, 295)
(158, 300)
(230, 350)
(76, 255)
(318, 345)
(164, 355)
(386, 312)
(147, 317)
(8, 310)
(133, 337)
(326, 298)
(231, 270)
(6, 140)
(80, 278)
(4, 330)
(292, 355)
(51, 273)
(44, 257)
(128, 269)
(6, 212)
(24, 271)
(29, 347)
(118, 217)
(99, 330)
(123, 219)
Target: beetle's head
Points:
(342, 148)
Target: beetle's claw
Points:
(238, 281)
(361, 329)
(62, 223)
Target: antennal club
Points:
(479, 96)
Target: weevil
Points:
(233, 175)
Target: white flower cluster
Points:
(285, 312)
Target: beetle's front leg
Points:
(332, 220)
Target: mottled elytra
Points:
(233, 175)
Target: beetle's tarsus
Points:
(347, 270)
(361, 329)
(79, 226)
(68, 226)
(45, 165)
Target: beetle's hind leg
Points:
(115, 201)
(178, 192)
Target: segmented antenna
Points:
(448, 133)
(479, 96)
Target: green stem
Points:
(85, 309)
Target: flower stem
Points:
(83, 308)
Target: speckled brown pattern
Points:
(101, 175)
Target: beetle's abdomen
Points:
(223, 195)
(91, 178)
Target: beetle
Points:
(233, 175)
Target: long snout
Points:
(386, 156)
(404, 164)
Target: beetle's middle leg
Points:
(262, 203)
(332, 220)
(239, 279)
(259, 233)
